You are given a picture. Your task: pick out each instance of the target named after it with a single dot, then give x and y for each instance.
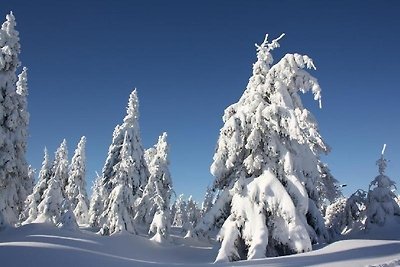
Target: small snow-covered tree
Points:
(161, 223)
(180, 217)
(346, 214)
(139, 174)
(382, 205)
(76, 185)
(54, 200)
(193, 215)
(267, 164)
(159, 186)
(208, 200)
(119, 206)
(30, 211)
(96, 203)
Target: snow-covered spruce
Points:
(159, 186)
(382, 205)
(14, 119)
(346, 215)
(180, 215)
(208, 200)
(140, 173)
(54, 203)
(96, 202)
(76, 185)
(21, 136)
(267, 164)
(118, 211)
(30, 211)
(193, 216)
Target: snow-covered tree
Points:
(267, 164)
(346, 215)
(96, 202)
(382, 205)
(76, 185)
(139, 173)
(118, 211)
(159, 185)
(193, 215)
(21, 136)
(30, 211)
(13, 167)
(208, 200)
(160, 226)
(54, 201)
(180, 217)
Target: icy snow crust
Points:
(45, 245)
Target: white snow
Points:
(46, 245)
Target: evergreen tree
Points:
(76, 185)
(193, 215)
(208, 200)
(139, 173)
(54, 201)
(159, 185)
(96, 202)
(30, 212)
(13, 167)
(180, 217)
(382, 205)
(119, 207)
(21, 137)
(346, 215)
(266, 164)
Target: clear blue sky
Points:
(190, 60)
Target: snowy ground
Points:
(44, 245)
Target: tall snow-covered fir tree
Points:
(159, 186)
(76, 185)
(267, 164)
(381, 204)
(119, 210)
(30, 212)
(13, 126)
(139, 173)
(21, 135)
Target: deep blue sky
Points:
(190, 60)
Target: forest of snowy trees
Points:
(272, 194)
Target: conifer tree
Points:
(159, 186)
(180, 217)
(21, 136)
(30, 212)
(76, 185)
(266, 164)
(139, 173)
(118, 211)
(13, 167)
(208, 200)
(96, 202)
(381, 205)
(54, 201)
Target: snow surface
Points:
(45, 245)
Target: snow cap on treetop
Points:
(133, 107)
(9, 25)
